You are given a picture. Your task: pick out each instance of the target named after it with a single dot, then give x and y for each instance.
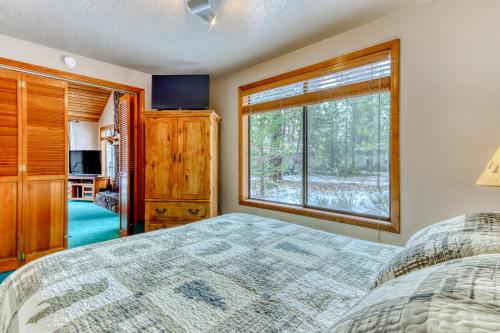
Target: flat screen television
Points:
(85, 162)
(172, 92)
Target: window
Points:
(108, 151)
(322, 141)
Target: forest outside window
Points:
(323, 141)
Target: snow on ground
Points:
(363, 195)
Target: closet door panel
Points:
(45, 217)
(125, 108)
(194, 158)
(10, 178)
(46, 123)
(161, 158)
(9, 226)
(45, 155)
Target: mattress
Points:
(232, 273)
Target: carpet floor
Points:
(87, 224)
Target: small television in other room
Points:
(85, 162)
(173, 92)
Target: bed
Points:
(233, 273)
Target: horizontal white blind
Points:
(369, 72)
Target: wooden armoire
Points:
(181, 167)
(33, 167)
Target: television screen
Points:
(172, 92)
(85, 162)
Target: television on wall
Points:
(174, 92)
(85, 162)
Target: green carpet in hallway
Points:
(87, 224)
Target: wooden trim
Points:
(19, 65)
(327, 95)
(394, 141)
(322, 214)
(140, 159)
(182, 113)
(338, 63)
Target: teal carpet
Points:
(87, 224)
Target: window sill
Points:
(367, 222)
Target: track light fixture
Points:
(202, 9)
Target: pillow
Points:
(459, 237)
(461, 295)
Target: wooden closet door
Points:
(194, 158)
(161, 158)
(45, 157)
(127, 121)
(10, 177)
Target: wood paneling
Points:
(10, 177)
(124, 175)
(8, 226)
(194, 158)
(9, 123)
(86, 103)
(44, 217)
(45, 130)
(44, 200)
(161, 158)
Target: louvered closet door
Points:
(45, 156)
(10, 178)
(161, 158)
(127, 108)
(194, 158)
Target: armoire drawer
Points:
(157, 225)
(174, 211)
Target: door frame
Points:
(136, 214)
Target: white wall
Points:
(36, 54)
(85, 135)
(450, 110)
(108, 114)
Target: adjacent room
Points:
(249, 166)
(93, 153)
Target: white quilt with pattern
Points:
(233, 273)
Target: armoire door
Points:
(44, 166)
(10, 177)
(161, 158)
(193, 180)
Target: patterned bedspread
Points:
(233, 273)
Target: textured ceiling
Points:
(162, 37)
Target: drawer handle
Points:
(161, 211)
(193, 211)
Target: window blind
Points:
(360, 77)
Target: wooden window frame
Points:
(343, 62)
(102, 130)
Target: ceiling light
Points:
(202, 9)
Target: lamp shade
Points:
(491, 175)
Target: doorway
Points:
(37, 193)
(93, 155)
